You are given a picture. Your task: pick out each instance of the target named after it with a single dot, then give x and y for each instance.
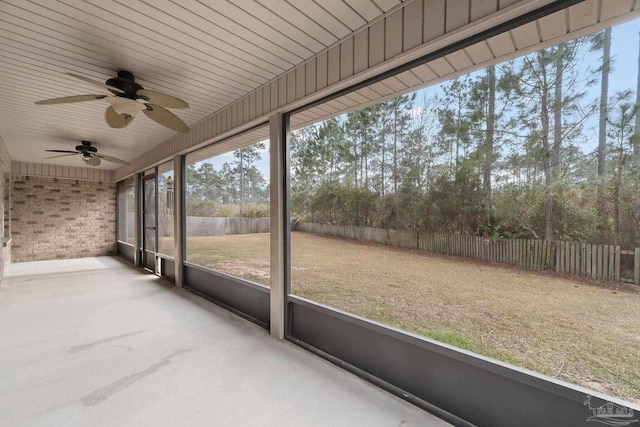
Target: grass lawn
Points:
(576, 331)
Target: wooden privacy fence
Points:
(215, 226)
(602, 262)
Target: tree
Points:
(203, 182)
(547, 99)
(455, 121)
(333, 149)
(487, 164)
(603, 41)
(621, 148)
(246, 157)
(455, 203)
(490, 127)
(361, 132)
(400, 121)
(304, 158)
(228, 179)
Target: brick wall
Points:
(61, 218)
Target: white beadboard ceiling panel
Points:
(210, 53)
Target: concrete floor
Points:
(95, 342)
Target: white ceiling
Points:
(207, 52)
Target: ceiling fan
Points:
(128, 99)
(89, 154)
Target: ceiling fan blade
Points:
(111, 159)
(68, 99)
(116, 120)
(161, 99)
(96, 83)
(61, 155)
(93, 161)
(165, 118)
(62, 151)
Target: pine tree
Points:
(603, 41)
(547, 93)
(246, 157)
(636, 135)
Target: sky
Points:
(624, 48)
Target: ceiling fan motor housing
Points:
(126, 83)
(86, 147)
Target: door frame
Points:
(150, 257)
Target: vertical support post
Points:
(137, 222)
(179, 229)
(156, 192)
(277, 226)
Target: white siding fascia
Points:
(64, 172)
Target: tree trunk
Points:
(602, 134)
(458, 124)
(365, 137)
(488, 150)
(616, 207)
(556, 152)
(361, 160)
(546, 152)
(636, 135)
(241, 181)
(604, 95)
(384, 160)
(355, 162)
(395, 150)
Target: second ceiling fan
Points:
(128, 99)
(88, 153)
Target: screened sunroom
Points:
(320, 212)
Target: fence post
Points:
(599, 263)
(612, 262)
(636, 267)
(594, 262)
(572, 258)
(617, 263)
(607, 251)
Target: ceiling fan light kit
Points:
(91, 160)
(125, 106)
(127, 100)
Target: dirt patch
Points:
(258, 268)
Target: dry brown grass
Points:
(579, 332)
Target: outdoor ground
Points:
(584, 333)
